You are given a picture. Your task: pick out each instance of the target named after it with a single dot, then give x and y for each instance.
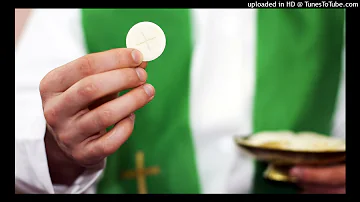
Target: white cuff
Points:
(84, 184)
(31, 167)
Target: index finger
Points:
(61, 78)
(332, 175)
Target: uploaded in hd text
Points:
(267, 4)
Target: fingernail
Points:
(137, 56)
(141, 74)
(132, 116)
(296, 172)
(149, 89)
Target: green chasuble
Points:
(298, 72)
(298, 67)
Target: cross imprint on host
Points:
(146, 41)
(140, 172)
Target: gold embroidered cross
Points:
(140, 172)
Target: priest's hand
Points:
(80, 101)
(321, 180)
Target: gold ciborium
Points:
(281, 158)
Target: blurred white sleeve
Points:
(339, 124)
(339, 121)
(50, 39)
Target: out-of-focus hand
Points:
(321, 180)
